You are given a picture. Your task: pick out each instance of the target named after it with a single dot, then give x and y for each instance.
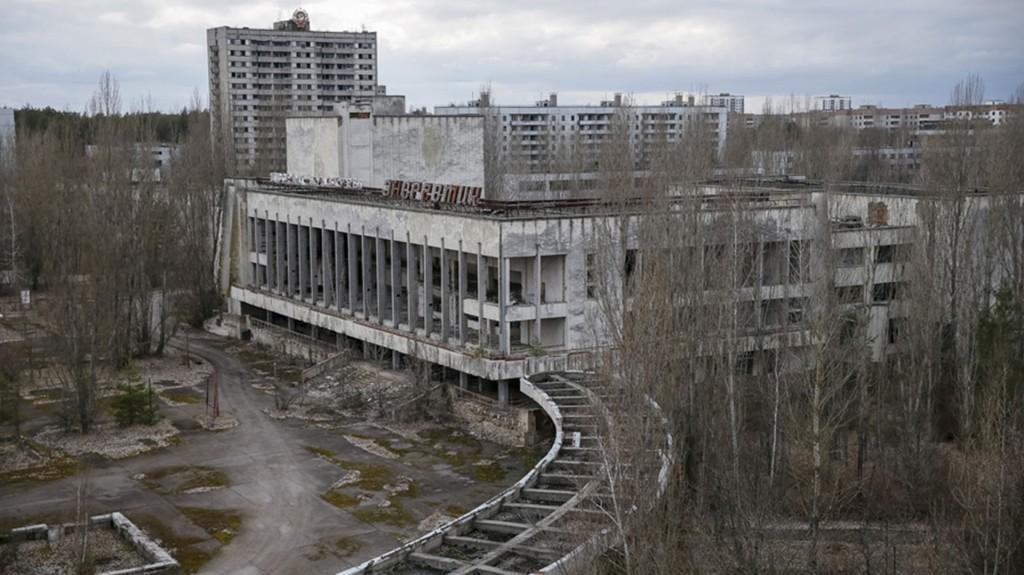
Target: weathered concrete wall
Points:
(375, 149)
(436, 149)
(383, 220)
(511, 426)
(312, 145)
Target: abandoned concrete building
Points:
(547, 151)
(403, 255)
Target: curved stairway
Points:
(533, 526)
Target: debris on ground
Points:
(372, 447)
(106, 552)
(220, 423)
(111, 441)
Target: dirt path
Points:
(275, 485)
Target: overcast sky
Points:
(895, 52)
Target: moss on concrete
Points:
(394, 515)
(489, 472)
(54, 468)
(456, 510)
(183, 549)
(221, 524)
(207, 478)
(340, 499)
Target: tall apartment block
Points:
(259, 77)
(732, 102)
(7, 134)
(546, 151)
(832, 103)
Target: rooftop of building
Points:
(715, 194)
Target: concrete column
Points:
(381, 284)
(463, 380)
(279, 232)
(410, 282)
(365, 274)
(537, 300)
(503, 287)
(268, 274)
(302, 256)
(445, 311)
(503, 393)
(481, 294)
(247, 231)
(339, 275)
(396, 280)
(289, 281)
(314, 269)
(351, 262)
(428, 287)
(462, 296)
(326, 263)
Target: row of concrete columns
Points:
(359, 272)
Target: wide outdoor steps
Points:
(532, 528)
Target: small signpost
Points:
(26, 297)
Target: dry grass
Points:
(221, 524)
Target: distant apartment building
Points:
(7, 133)
(731, 102)
(258, 77)
(832, 103)
(548, 150)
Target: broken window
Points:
(591, 276)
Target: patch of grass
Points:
(163, 472)
(456, 510)
(452, 436)
(180, 396)
(394, 515)
(206, 478)
(339, 499)
(55, 468)
(389, 445)
(412, 492)
(194, 478)
(322, 453)
(489, 472)
(181, 548)
(528, 456)
(221, 524)
(346, 546)
(192, 559)
(372, 477)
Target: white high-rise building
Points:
(833, 103)
(259, 77)
(731, 102)
(543, 150)
(7, 132)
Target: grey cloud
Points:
(440, 51)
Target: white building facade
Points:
(258, 77)
(8, 134)
(547, 151)
(734, 103)
(833, 103)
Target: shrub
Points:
(134, 404)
